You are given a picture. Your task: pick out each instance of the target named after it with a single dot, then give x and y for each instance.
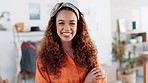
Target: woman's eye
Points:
(61, 23)
(72, 23)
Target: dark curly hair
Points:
(51, 52)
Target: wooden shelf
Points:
(133, 35)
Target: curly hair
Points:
(51, 52)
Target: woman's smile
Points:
(67, 34)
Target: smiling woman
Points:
(66, 26)
(67, 53)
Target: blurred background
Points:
(118, 28)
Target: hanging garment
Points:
(28, 59)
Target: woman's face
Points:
(66, 24)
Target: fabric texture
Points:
(69, 73)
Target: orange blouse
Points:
(69, 73)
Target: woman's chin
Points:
(66, 39)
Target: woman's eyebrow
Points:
(72, 20)
(60, 20)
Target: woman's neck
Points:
(67, 47)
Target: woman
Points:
(67, 54)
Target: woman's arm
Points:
(96, 75)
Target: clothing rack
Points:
(18, 39)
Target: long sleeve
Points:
(102, 80)
(41, 76)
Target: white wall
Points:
(19, 10)
(97, 14)
(7, 57)
(129, 10)
(144, 19)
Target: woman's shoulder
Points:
(38, 60)
(39, 63)
(40, 66)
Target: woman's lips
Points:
(67, 33)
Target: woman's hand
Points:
(96, 75)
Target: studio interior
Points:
(119, 29)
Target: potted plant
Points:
(118, 50)
(127, 63)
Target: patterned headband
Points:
(58, 6)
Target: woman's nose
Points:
(67, 27)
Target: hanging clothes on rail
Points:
(27, 63)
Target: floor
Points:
(28, 81)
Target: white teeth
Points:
(66, 34)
